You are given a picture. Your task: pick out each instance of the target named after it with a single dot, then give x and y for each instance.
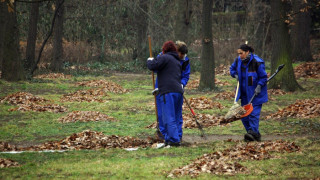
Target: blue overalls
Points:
(250, 75)
(185, 74)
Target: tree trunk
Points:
(57, 62)
(207, 57)
(141, 26)
(257, 18)
(300, 32)
(182, 23)
(32, 37)
(12, 69)
(281, 49)
(3, 8)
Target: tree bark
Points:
(32, 37)
(57, 62)
(3, 8)
(12, 69)
(300, 32)
(207, 58)
(141, 27)
(281, 49)
(257, 17)
(182, 23)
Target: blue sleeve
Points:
(185, 76)
(233, 68)
(262, 74)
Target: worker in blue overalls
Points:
(185, 74)
(169, 70)
(249, 70)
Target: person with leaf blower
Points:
(185, 74)
(249, 70)
(169, 70)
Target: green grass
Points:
(133, 112)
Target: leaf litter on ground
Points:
(86, 139)
(306, 108)
(85, 116)
(90, 95)
(195, 83)
(109, 86)
(53, 76)
(4, 163)
(308, 70)
(227, 161)
(28, 102)
(202, 103)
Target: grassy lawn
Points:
(134, 111)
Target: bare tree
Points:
(207, 57)
(182, 24)
(32, 36)
(300, 32)
(281, 48)
(57, 61)
(141, 27)
(258, 12)
(12, 69)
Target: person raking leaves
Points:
(249, 70)
(185, 74)
(169, 70)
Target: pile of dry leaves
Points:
(85, 140)
(223, 70)
(53, 76)
(85, 116)
(4, 146)
(8, 163)
(206, 120)
(226, 161)
(90, 95)
(29, 102)
(202, 103)
(276, 92)
(307, 108)
(108, 86)
(308, 70)
(23, 98)
(225, 95)
(195, 83)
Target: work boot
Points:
(252, 136)
(248, 137)
(175, 144)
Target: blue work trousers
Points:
(251, 122)
(170, 119)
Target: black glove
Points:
(236, 76)
(155, 92)
(258, 89)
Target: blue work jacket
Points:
(255, 74)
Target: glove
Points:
(258, 89)
(236, 76)
(150, 59)
(155, 92)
